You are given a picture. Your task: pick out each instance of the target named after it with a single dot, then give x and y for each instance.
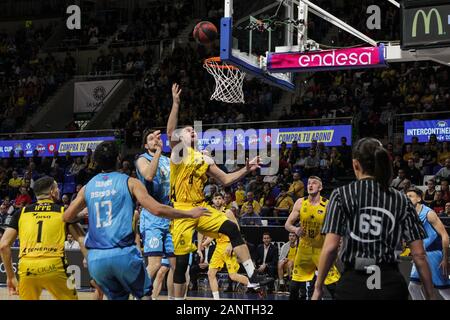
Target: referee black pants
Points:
(358, 285)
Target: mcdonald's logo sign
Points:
(425, 26)
(426, 17)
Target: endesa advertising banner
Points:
(423, 130)
(364, 57)
(46, 147)
(255, 138)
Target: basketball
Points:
(205, 32)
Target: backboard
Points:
(243, 45)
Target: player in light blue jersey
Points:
(114, 261)
(153, 170)
(436, 248)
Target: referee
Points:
(371, 219)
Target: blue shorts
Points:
(165, 262)
(157, 242)
(434, 260)
(119, 272)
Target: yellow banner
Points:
(77, 146)
(305, 136)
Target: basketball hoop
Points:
(229, 80)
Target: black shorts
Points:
(359, 285)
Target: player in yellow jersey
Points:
(286, 261)
(189, 171)
(311, 213)
(223, 254)
(42, 232)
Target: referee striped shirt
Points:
(371, 221)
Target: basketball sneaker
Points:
(259, 280)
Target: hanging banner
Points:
(367, 57)
(90, 95)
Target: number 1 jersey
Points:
(41, 230)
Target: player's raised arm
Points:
(172, 122)
(293, 218)
(148, 168)
(227, 179)
(76, 206)
(140, 193)
(440, 229)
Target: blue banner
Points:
(252, 138)
(46, 147)
(423, 130)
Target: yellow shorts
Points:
(37, 274)
(306, 263)
(221, 258)
(183, 229)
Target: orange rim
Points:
(214, 62)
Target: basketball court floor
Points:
(87, 294)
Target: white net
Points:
(229, 81)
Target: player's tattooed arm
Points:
(227, 179)
(71, 214)
(7, 240)
(294, 216)
(138, 190)
(172, 122)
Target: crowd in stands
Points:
(26, 80)
(162, 20)
(372, 97)
(93, 32)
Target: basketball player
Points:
(114, 261)
(310, 211)
(223, 254)
(189, 171)
(436, 247)
(41, 230)
(287, 258)
(153, 170)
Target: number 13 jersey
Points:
(110, 211)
